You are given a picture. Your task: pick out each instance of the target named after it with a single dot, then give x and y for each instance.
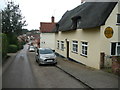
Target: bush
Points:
(4, 45)
(12, 39)
(20, 45)
(12, 48)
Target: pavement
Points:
(92, 77)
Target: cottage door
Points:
(67, 49)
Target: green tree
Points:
(4, 45)
(12, 19)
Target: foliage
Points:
(20, 45)
(12, 38)
(12, 20)
(4, 45)
(24, 31)
(12, 48)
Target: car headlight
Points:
(43, 58)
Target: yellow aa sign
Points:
(108, 32)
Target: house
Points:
(47, 36)
(34, 37)
(88, 30)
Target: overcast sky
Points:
(36, 11)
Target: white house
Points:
(47, 36)
(88, 30)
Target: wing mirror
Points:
(37, 54)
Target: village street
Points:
(24, 72)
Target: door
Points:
(67, 49)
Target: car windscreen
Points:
(31, 47)
(46, 51)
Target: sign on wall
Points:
(108, 32)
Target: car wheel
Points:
(55, 63)
(36, 60)
(39, 63)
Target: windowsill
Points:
(62, 49)
(114, 55)
(118, 24)
(74, 52)
(83, 55)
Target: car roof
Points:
(44, 48)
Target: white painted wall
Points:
(111, 21)
(97, 42)
(47, 40)
(92, 36)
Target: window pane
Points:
(85, 52)
(113, 48)
(82, 42)
(82, 47)
(85, 43)
(118, 50)
(118, 43)
(86, 48)
(118, 18)
(82, 51)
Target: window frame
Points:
(75, 46)
(117, 44)
(84, 48)
(58, 44)
(118, 19)
(62, 45)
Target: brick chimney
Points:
(52, 19)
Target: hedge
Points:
(12, 48)
(4, 45)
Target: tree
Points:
(12, 19)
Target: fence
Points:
(110, 62)
(107, 61)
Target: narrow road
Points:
(48, 76)
(19, 73)
(24, 72)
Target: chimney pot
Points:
(52, 19)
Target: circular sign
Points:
(108, 32)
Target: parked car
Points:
(45, 56)
(31, 49)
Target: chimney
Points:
(52, 19)
(82, 1)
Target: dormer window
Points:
(118, 19)
(76, 22)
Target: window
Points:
(84, 48)
(115, 48)
(62, 45)
(75, 46)
(76, 22)
(58, 45)
(118, 18)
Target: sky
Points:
(36, 11)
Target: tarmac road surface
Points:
(19, 73)
(24, 72)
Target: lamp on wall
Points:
(66, 39)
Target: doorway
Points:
(67, 49)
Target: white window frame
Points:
(75, 46)
(62, 45)
(58, 44)
(84, 48)
(116, 49)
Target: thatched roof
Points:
(90, 14)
